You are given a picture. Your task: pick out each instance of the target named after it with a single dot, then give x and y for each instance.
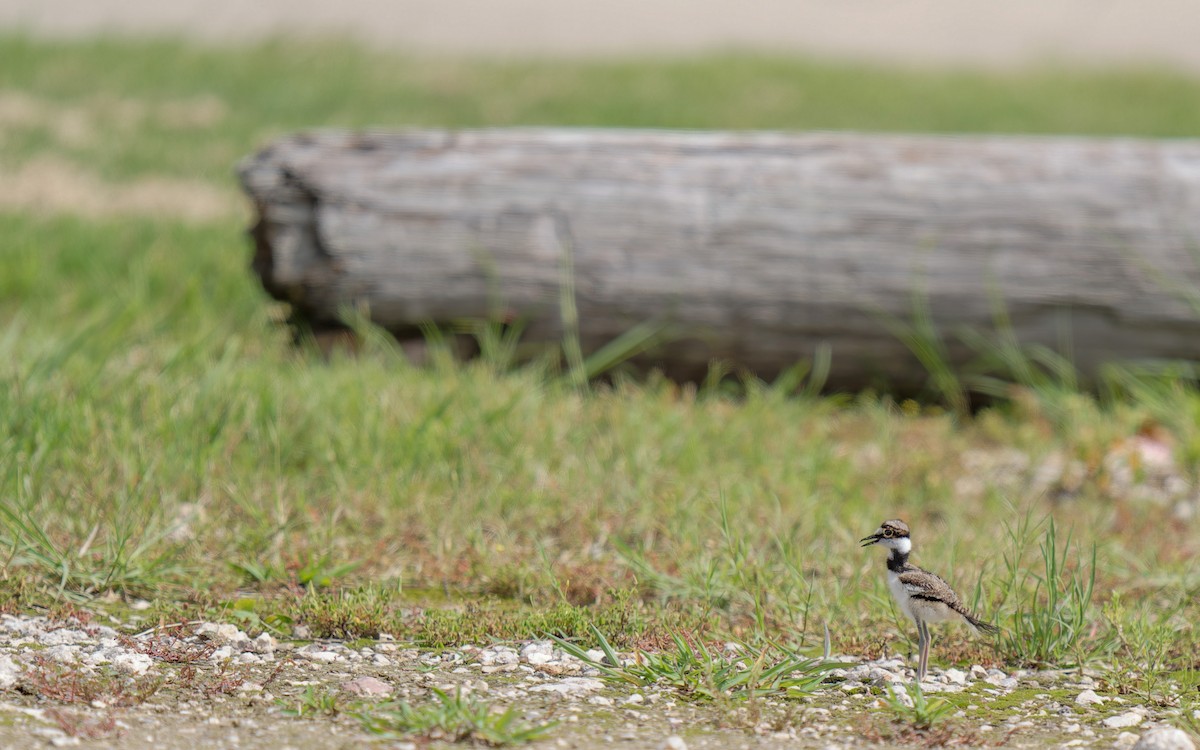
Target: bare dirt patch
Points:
(53, 186)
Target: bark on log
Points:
(754, 248)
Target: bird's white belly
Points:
(900, 594)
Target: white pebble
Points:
(955, 676)
(674, 742)
(1089, 698)
(1127, 719)
(1165, 738)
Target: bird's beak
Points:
(867, 541)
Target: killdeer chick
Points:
(922, 595)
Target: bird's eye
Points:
(888, 533)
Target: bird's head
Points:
(892, 534)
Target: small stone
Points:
(63, 636)
(228, 633)
(367, 686)
(324, 657)
(879, 676)
(263, 644)
(1127, 719)
(1165, 738)
(380, 660)
(538, 652)
(131, 663)
(1089, 698)
(955, 676)
(571, 687)
(9, 671)
(595, 655)
(636, 699)
(600, 700)
(1126, 739)
(674, 742)
(902, 697)
(62, 654)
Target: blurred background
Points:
(970, 32)
(163, 440)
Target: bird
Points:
(923, 596)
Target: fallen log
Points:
(752, 248)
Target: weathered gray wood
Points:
(756, 248)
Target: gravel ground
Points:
(211, 685)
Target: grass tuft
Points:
(451, 718)
(1049, 622)
(915, 709)
(695, 672)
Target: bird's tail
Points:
(980, 625)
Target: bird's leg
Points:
(923, 647)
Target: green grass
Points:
(1049, 623)
(161, 438)
(451, 718)
(179, 109)
(693, 671)
(312, 702)
(917, 711)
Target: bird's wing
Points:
(926, 585)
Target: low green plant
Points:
(119, 554)
(695, 672)
(919, 712)
(451, 718)
(1047, 623)
(1143, 638)
(312, 702)
(352, 613)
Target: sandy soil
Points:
(976, 32)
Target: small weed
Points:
(356, 613)
(451, 718)
(1141, 637)
(320, 572)
(84, 727)
(312, 702)
(222, 680)
(65, 684)
(917, 711)
(244, 611)
(171, 646)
